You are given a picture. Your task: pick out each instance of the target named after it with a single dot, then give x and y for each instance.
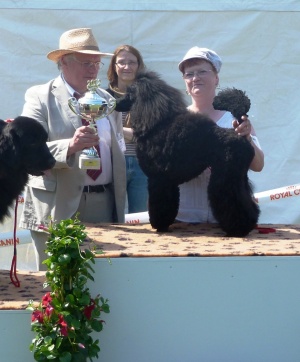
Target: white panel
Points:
(187, 5)
(200, 309)
(187, 310)
(257, 42)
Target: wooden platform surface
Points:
(207, 240)
(140, 240)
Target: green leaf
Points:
(89, 254)
(70, 298)
(64, 259)
(85, 299)
(51, 348)
(58, 342)
(88, 266)
(90, 277)
(94, 349)
(65, 357)
(51, 356)
(75, 323)
(105, 308)
(97, 325)
(82, 279)
(79, 357)
(48, 340)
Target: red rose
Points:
(46, 299)
(88, 309)
(37, 315)
(63, 325)
(64, 331)
(49, 310)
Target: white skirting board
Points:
(229, 309)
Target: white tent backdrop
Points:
(259, 45)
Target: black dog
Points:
(23, 151)
(175, 145)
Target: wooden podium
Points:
(189, 295)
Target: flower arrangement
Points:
(67, 315)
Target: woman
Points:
(125, 63)
(200, 69)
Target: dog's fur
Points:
(23, 151)
(175, 146)
(233, 100)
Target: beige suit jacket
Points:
(58, 195)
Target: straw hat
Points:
(76, 41)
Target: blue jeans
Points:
(137, 186)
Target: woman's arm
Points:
(245, 129)
(128, 134)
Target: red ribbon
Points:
(13, 269)
(265, 230)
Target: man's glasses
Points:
(198, 73)
(122, 64)
(89, 65)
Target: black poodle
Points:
(23, 151)
(175, 145)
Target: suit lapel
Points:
(62, 96)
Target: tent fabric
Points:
(258, 43)
(129, 5)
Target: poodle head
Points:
(153, 102)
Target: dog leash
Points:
(13, 269)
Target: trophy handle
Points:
(73, 104)
(111, 105)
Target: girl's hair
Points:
(111, 72)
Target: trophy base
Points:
(89, 162)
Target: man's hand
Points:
(84, 137)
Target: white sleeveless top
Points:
(194, 205)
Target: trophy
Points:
(91, 107)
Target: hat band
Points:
(85, 47)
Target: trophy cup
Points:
(91, 107)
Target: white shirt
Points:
(104, 133)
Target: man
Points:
(68, 189)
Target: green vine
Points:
(67, 315)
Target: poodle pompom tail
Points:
(234, 101)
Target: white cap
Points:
(202, 53)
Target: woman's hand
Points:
(244, 129)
